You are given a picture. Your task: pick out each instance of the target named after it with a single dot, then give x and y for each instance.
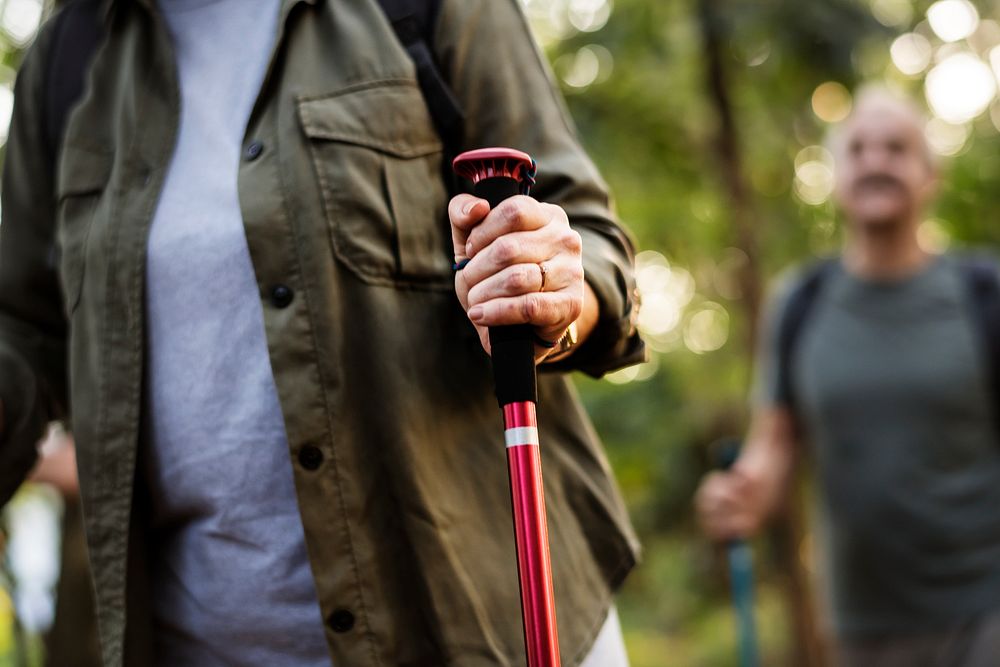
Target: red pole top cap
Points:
(486, 163)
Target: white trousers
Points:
(609, 647)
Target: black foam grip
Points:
(513, 347)
(513, 351)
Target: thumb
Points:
(465, 212)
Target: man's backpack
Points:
(980, 279)
(79, 28)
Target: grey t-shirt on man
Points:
(892, 390)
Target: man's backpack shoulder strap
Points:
(797, 308)
(413, 22)
(981, 275)
(77, 32)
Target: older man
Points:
(880, 360)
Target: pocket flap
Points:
(82, 171)
(389, 116)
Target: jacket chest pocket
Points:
(378, 161)
(82, 177)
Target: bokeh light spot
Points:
(892, 13)
(960, 88)
(589, 15)
(20, 19)
(946, 138)
(589, 65)
(911, 53)
(707, 329)
(6, 109)
(831, 102)
(814, 176)
(952, 20)
(933, 237)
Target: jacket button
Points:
(341, 620)
(254, 150)
(281, 296)
(310, 457)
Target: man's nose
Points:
(875, 159)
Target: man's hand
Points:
(736, 503)
(729, 505)
(525, 267)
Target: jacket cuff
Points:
(614, 343)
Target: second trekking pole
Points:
(740, 557)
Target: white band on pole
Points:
(522, 435)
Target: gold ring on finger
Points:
(544, 270)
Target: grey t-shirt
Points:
(231, 580)
(893, 394)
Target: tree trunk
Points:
(787, 536)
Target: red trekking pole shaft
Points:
(499, 173)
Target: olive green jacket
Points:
(407, 509)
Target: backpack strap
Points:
(982, 282)
(413, 22)
(796, 312)
(77, 32)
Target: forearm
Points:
(588, 316)
(768, 460)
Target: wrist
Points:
(578, 331)
(564, 345)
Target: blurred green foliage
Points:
(650, 122)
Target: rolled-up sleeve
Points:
(506, 91)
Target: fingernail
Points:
(476, 313)
(468, 250)
(467, 209)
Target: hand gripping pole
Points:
(497, 174)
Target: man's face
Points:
(884, 174)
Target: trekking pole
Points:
(496, 174)
(740, 557)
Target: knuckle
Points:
(513, 212)
(455, 207)
(517, 280)
(531, 307)
(554, 214)
(474, 296)
(505, 250)
(575, 309)
(572, 241)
